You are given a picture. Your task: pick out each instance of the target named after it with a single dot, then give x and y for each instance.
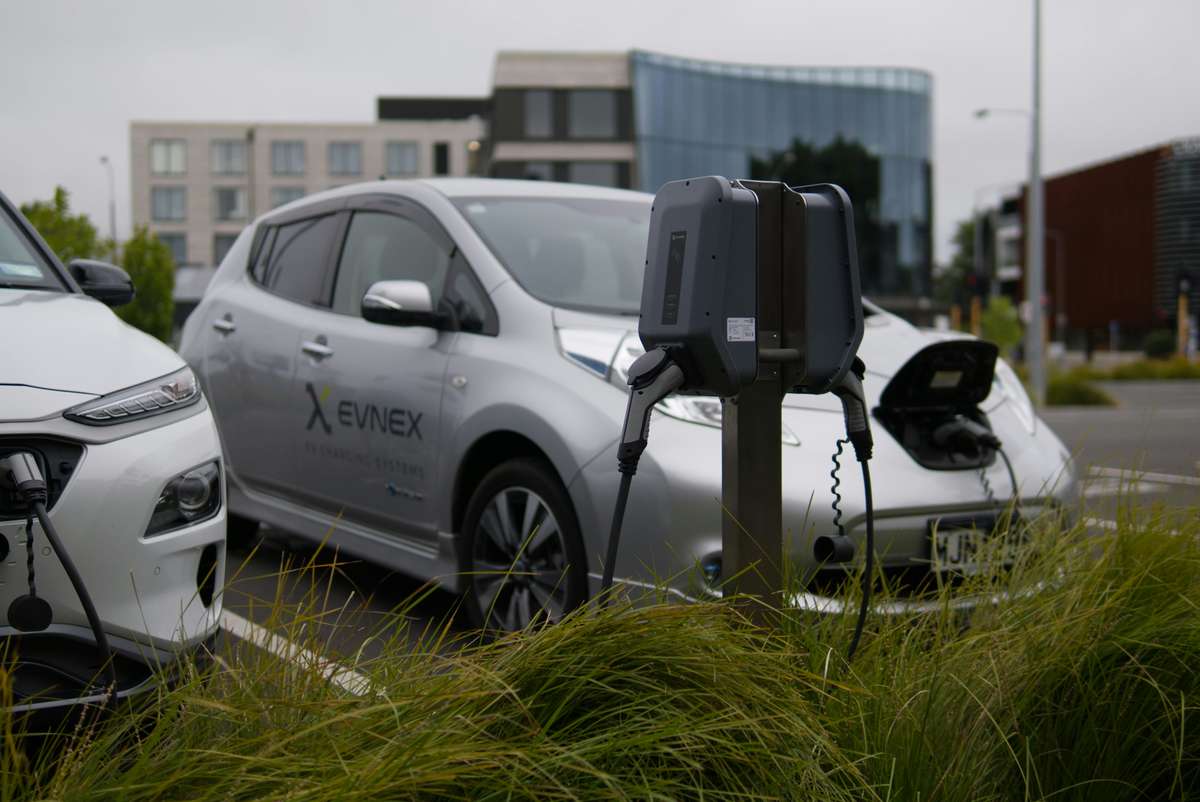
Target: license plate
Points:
(959, 546)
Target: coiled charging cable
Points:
(31, 613)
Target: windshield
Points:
(20, 264)
(570, 252)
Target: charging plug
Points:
(854, 408)
(965, 436)
(652, 377)
(21, 471)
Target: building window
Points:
(168, 203)
(228, 157)
(539, 114)
(177, 243)
(441, 158)
(401, 158)
(345, 158)
(168, 156)
(592, 114)
(282, 195)
(221, 245)
(604, 174)
(539, 171)
(229, 203)
(287, 157)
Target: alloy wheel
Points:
(519, 561)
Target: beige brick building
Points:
(197, 184)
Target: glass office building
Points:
(699, 118)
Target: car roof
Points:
(509, 187)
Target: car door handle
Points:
(317, 350)
(224, 325)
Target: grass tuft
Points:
(1079, 678)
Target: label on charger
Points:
(739, 329)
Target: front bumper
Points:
(673, 522)
(147, 591)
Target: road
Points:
(1154, 429)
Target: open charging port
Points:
(931, 405)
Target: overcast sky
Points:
(1118, 75)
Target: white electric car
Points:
(113, 424)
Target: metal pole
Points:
(751, 452)
(1035, 235)
(112, 201)
(250, 173)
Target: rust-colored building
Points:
(1119, 237)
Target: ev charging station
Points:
(751, 292)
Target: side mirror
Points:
(400, 303)
(106, 283)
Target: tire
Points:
(240, 533)
(516, 578)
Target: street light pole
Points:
(112, 200)
(1035, 234)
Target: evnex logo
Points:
(364, 417)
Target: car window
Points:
(466, 300)
(571, 252)
(387, 247)
(299, 259)
(20, 265)
(261, 253)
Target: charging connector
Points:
(31, 613)
(652, 377)
(858, 430)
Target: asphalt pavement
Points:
(1145, 450)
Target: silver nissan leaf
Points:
(431, 374)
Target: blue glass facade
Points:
(701, 118)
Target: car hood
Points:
(75, 345)
(888, 342)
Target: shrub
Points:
(1070, 389)
(1075, 683)
(1159, 344)
(1001, 324)
(149, 263)
(1156, 369)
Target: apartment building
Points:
(630, 119)
(638, 119)
(197, 184)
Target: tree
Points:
(150, 264)
(852, 167)
(71, 236)
(1001, 324)
(950, 286)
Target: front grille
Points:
(58, 460)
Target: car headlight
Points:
(189, 498)
(1010, 385)
(589, 349)
(165, 394)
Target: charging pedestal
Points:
(751, 292)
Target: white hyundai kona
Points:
(110, 460)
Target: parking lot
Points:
(1143, 451)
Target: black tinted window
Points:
(20, 264)
(466, 300)
(299, 259)
(387, 247)
(260, 255)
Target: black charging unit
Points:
(751, 292)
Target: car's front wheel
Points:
(522, 554)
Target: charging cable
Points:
(32, 613)
(652, 377)
(858, 432)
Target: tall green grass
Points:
(1078, 678)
